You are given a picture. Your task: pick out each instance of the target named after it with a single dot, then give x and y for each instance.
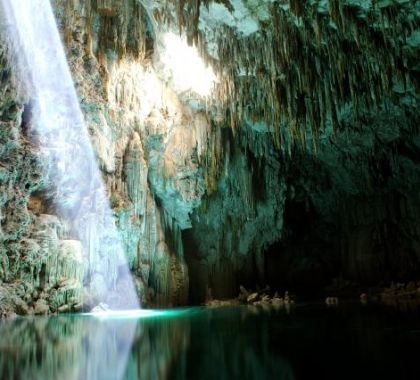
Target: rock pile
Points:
(402, 294)
(258, 297)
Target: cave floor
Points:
(307, 341)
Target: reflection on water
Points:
(91, 347)
(403, 304)
(309, 342)
(65, 348)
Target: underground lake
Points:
(306, 341)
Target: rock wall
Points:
(300, 167)
(334, 86)
(143, 137)
(352, 210)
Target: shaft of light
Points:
(59, 131)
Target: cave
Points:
(209, 189)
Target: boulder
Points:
(252, 297)
(41, 307)
(277, 301)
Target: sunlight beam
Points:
(184, 66)
(59, 132)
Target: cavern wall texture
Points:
(300, 167)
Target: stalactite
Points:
(343, 40)
(296, 74)
(135, 172)
(122, 27)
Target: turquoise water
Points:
(306, 342)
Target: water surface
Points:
(307, 342)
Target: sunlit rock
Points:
(287, 153)
(41, 307)
(135, 170)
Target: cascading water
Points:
(58, 130)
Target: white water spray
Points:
(59, 132)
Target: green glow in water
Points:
(137, 313)
(309, 342)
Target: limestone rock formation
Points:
(301, 165)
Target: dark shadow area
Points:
(212, 277)
(198, 270)
(373, 242)
(304, 261)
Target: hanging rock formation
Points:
(300, 167)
